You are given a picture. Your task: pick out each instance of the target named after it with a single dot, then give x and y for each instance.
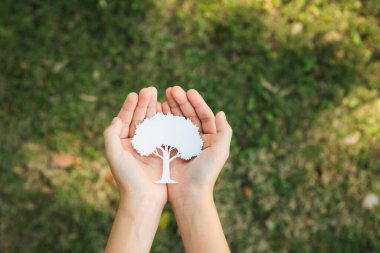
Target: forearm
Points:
(134, 227)
(199, 224)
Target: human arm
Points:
(135, 225)
(141, 201)
(192, 199)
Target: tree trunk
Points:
(165, 179)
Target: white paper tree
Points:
(161, 135)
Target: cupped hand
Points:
(133, 173)
(197, 176)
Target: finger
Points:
(187, 109)
(207, 140)
(112, 139)
(126, 113)
(223, 129)
(140, 110)
(204, 113)
(165, 108)
(159, 107)
(152, 106)
(174, 107)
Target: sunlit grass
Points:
(298, 80)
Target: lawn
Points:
(298, 80)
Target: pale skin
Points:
(142, 200)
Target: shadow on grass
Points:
(36, 221)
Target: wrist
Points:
(137, 204)
(135, 225)
(193, 199)
(141, 195)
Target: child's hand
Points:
(133, 173)
(197, 177)
(141, 200)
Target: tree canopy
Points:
(168, 130)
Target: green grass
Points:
(298, 80)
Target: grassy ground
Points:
(299, 81)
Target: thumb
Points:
(223, 129)
(112, 138)
(222, 125)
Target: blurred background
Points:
(299, 82)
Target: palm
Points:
(133, 173)
(142, 171)
(195, 172)
(203, 170)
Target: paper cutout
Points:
(169, 137)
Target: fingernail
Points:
(223, 114)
